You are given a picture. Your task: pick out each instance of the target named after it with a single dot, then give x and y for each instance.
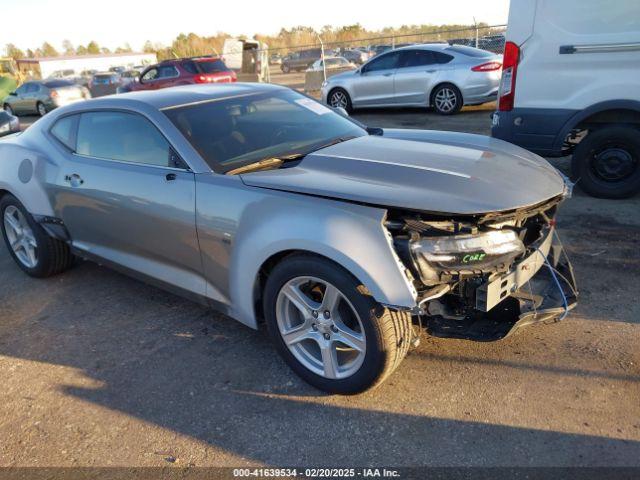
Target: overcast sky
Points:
(113, 22)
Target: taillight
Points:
(508, 82)
(54, 94)
(201, 79)
(487, 67)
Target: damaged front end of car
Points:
(482, 277)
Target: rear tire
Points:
(52, 256)
(606, 163)
(7, 108)
(285, 68)
(381, 337)
(446, 99)
(41, 109)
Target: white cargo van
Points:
(571, 85)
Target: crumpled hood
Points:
(421, 170)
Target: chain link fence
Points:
(292, 64)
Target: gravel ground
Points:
(100, 370)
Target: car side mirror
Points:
(14, 94)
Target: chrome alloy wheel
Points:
(446, 100)
(42, 110)
(320, 327)
(339, 99)
(20, 236)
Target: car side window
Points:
(416, 58)
(442, 57)
(65, 131)
(150, 75)
(167, 71)
(383, 62)
(190, 66)
(126, 137)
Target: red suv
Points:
(182, 71)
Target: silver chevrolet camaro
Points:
(348, 241)
(438, 75)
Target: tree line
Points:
(190, 44)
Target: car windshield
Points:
(212, 66)
(234, 132)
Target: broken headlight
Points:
(484, 251)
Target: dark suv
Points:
(300, 60)
(182, 71)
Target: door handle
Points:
(171, 177)
(74, 180)
(387, 74)
(430, 71)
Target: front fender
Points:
(352, 236)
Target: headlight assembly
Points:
(465, 253)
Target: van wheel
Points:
(446, 99)
(35, 252)
(606, 163)
(41, 109)
(328, 330)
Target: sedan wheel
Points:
(20, 237)
(338, 98)
(42, 111)
(320, 327)
(447, 100)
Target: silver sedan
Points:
(269, 206)
(443, 76)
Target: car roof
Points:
(182, 95)
(430, 46)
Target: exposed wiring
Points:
(555, 278)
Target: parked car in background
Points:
(492, 43)
(356, 56)
(275, 59)
(85, 77)
(266, 205)
(182, 71)
(40, 97)
(67, 74)
(8, 123)
(118, 69)
(300, 60)
(438, 75)
(570, 86)
(129, 76)
(378, 49)
(104, 83)
(331, 63)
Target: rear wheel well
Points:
(598, 120)
(435, 87)
(3, 193)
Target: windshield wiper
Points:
(265, 164)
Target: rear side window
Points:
(167, 71)
(416, 58)
(64, 130)
(190, 66)
(121, 136)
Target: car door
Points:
(21, 98)
(149, 79)
(373, 85)
(167, 76)
(414, 78)
(126, 197)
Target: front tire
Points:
(285, 68)
(446, 99)
(606, 163)
(35, 252)
(330, 332)
(7, 108)
(339, 98)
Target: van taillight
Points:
(507, 90)
(487, 67)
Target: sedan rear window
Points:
(234, 132)
(58, 83)
(469, 51)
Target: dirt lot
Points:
(99, 369)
